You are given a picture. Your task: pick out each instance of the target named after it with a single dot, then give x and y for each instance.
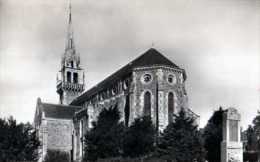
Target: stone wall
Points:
(82, 124)
(69, 96)
(59, 134)
(159, 81)
(95, 108)
(136, 90)
(80, 128)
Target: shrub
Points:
(18, 141)
(181, 140)
(104, 140)
(213, 136)
(139, 138)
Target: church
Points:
(150, 85)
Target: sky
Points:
(217, 42)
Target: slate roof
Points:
(58, 111)
(150, 57)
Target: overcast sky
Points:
(217, 42)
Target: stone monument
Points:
(231, 146)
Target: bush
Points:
(57, 156)
(213, 136)
(18, 142)
(139, 138)
(181, 140)
(104, 140)
(250, 156)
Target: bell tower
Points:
(71, 78)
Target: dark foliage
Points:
(181, 141)
(256, 123)
(213, 136)
(104, 140)
(139, 138)
(250, 156)
(57, 156)
(251, 137)
(18, 142)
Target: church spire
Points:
(70, 84)
(70, 41)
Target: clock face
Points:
(147, 78)
(171, 79)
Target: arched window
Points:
(170, 107)
(71, 64)
(68, 76)
(147, 104)
(75, 77)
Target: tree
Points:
(256, 127)
(181, 140)
(139, 138)
(256, 123)
(18, 142)
(251, 139)
(104, 140)
(213, 136)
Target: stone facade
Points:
(54, 127)
(56, 134)
(80, 128)
(160, 86)
(164, 84)
(132, 90)
(59, 134)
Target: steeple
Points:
(70, 49)
(71, 80)
(70, 41)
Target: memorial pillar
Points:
(231, 146)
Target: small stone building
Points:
(54, 126)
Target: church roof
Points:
(58, 111)
(149, 58)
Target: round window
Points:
(171, 79)
(147, 78)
